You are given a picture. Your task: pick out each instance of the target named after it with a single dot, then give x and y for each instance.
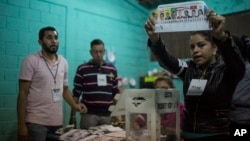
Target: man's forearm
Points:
(21, 109)
(68, 97)
(73, 111)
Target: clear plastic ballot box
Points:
(150, 114)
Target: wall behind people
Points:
(78, 22)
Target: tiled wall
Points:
(119, 23)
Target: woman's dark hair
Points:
(206, 34)
(200, 11)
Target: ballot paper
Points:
(180, 17)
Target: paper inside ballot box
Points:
(138, 100)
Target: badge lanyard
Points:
(54, 76)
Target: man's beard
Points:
(52, 49)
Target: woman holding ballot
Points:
(209, 79)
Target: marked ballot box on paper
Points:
(147, 113)
(183, 16)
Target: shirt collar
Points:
(91, 62)
(41, 55)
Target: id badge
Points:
(101, 80)
(196, 87)
(56, 94)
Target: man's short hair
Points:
(96, 42)
(42, 31)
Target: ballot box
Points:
(150, 114)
